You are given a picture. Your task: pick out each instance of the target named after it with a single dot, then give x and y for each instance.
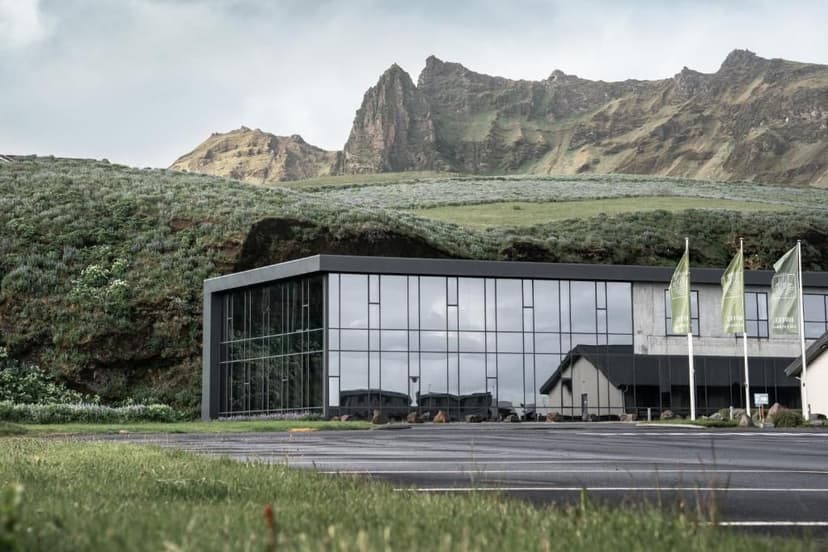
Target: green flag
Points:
(784, 295)
(680, 295)
(733, 296)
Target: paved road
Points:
(757, 478)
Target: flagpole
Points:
(691, 371)
(744, 332)
(803, 379)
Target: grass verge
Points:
(64, 495)
(195, 427)
(7, 428)
(531, 213)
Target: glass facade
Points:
(460, 344)
(271, 348)
(350, 343)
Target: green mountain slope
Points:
(101, 266)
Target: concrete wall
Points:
(650, 331)
(818, 384)
(603, 397)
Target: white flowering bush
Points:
(85, 413)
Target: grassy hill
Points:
(101, 266)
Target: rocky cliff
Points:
(258, 157)
(392, 130)
(753, 119)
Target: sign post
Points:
(761, 400)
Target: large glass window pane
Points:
(373, 315)
(472, 373)
(454, 374)
(394, 300)
(509, 305)
(814, 307)
(619, 307)
(413, 302)
(395, 373)
(546, 307)
(315, 302)
(510, 381)
(527, 293)
(508, 342)
(394, 340)
(547, 343)
(565, 314)
(472, 342)
(433, 341)
(353, 340)
(354, 301)
(374, 370)
(451, 290)
(373, 288)
(583, 306)
(471, 304)
(432, 303)
(333, 301)
(333, 391)
(491, 305)
(433, 375)
(353, 370)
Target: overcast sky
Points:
(141, 82)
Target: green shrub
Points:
(85, 413)
(25, 383)
(788, 418)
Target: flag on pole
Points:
(680, 295)
(784, 295)
(733, 296)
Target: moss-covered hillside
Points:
(102, 265)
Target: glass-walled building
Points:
(338, 334)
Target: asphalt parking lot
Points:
(770, 479)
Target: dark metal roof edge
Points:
(480, 268)
(287, 269)
(814, 350)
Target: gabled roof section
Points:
(811, 353)
(623, 368)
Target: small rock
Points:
(512, 418)
(629, 417)
(667, 415)
(345, 417)
(123, 431)
(378, 418)
(718, 417)
(745, 421)
(474, 418)
(441, 418)
(553, 417)
(414, 418)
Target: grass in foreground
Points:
(194, 427)
(530, 213)
(105, 496)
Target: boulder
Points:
(774, 410)
(745, 421)
(553, 417)
(629, 417)
(414, 418)
(716, 416)
(378, 418)
(345, 418)
(441, 418)
(667, 415)
(513, 418)
(474, 418)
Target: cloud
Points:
(143, 81)
(21, 23)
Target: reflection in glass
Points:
(583, 311)
(354, 297)
(509, 305)
(432, 303)
(393, 291)
(471, 304)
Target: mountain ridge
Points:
(753, 119)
